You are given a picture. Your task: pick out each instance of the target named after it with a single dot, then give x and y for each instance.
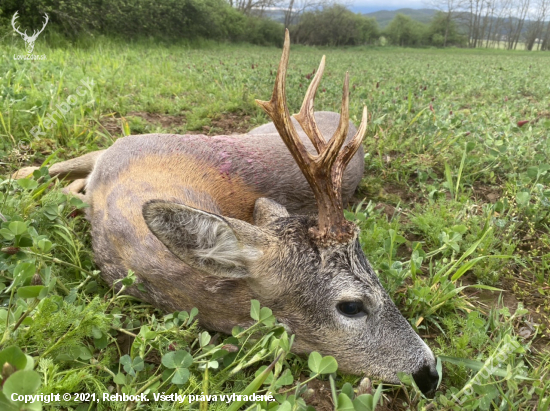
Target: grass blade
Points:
(254, 385)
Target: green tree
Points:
(404, 31)
(335, 26)
(443, 31)
(161, 19)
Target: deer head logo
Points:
(29, 40)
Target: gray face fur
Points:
(303, 284)
(378, 341)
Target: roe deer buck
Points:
(204, 222)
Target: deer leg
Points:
(75, 188)
(74, 169)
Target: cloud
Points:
(366, 6)
(392, 4)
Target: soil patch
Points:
(486, 194)
(164, 120)
(320, 396)
(529, 296)
(224, 124)
(403, 193)
(229, 123)
(114, 124)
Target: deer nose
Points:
(426, 378)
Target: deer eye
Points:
(351, 308)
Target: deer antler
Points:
(15, 16)
(25, 35)
(35, 34)
(324, 171)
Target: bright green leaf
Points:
(177, 359)
(522, 197)
(119, 379)
(314, 362)
(7, 234)
(6, 404)
(22, 272)
(17, 227)
(14, 356)
(204, 339)
(328, 365)
(285, 379)
(344, 403)
(181, 376)
(44, 245)
(347, 389)
(255, 310)
(31, 291)
(22, 383)
(85, 353)
(27, 183)
(363, 403)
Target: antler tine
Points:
(306, 117)
(45, 23)
(15, 16)
(337, 140)
(277, 109)
(351, 148)
(36, 33)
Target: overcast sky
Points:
(367, 6)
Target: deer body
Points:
(223, 175)
(215, 222)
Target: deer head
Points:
(310, 270)
(29, 40)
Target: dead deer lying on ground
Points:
(211, 223)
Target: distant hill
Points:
(383, 17)
(274, 13)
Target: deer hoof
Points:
(75, 187)
(24, 172)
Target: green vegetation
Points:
(404, 31)
(456, 203)
(335, 26)
(134, 19)
(384, 17)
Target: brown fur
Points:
(221, 175)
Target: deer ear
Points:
(266, 211)
(206, 241)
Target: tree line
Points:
(473, 23)
(501, 23)
(133, 19)
(337, 26)
(312, 22)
